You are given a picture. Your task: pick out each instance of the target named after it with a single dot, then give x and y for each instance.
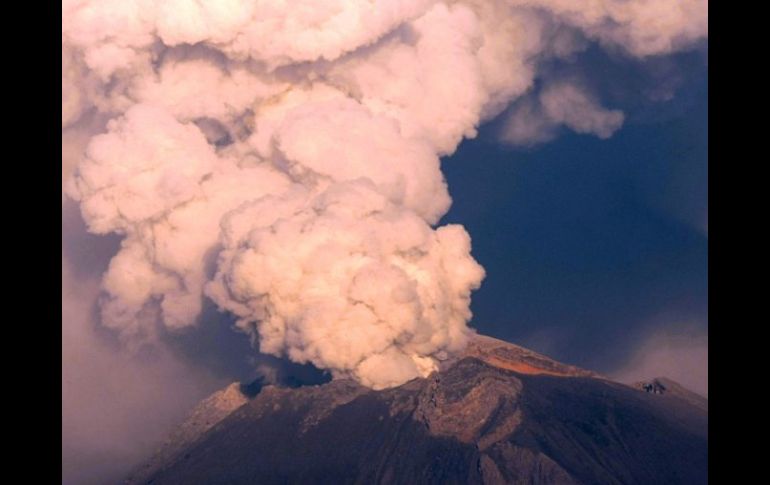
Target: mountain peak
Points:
(506, 355)
(669, 387)
(497, 414)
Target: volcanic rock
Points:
(499, 414)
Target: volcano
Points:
(497, 414)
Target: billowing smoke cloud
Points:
(282, 158)
(117, 405)
(537, 120)
(348, 281)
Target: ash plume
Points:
(282, 158)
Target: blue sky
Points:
(590, 245)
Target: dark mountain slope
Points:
(472, 422)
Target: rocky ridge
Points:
(498, 414)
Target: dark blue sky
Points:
(589, 244)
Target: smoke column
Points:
(281, 158)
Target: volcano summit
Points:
(497, 414)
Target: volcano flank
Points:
(497, 414)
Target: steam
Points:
(537, 119)
(282, 158)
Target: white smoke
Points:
(537, 119)
(282, 158)
(349, 281)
